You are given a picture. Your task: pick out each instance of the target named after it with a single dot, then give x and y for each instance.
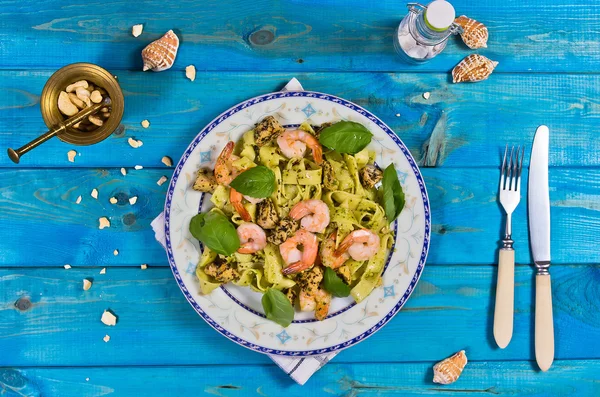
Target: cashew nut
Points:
(83, 95)
(103, 222)
(65, 106)
(166, 160)
(95, 120)
(190, 72)
(76, 101)
(95, 96)
(71, 155)
(81, 83)
(134, 143)
(136, 30)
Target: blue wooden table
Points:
(51, 337)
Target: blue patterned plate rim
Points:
(287, 94)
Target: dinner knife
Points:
(539, 236)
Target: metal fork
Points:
(510, 195)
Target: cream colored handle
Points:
(544, 327)
(505, 297)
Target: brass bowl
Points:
(69, 74)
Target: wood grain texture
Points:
(47, 319)
(294, 36)
(464, 125)
(568, 378)
(47, 227)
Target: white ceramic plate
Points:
(236, 312)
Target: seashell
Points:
(447, 371)
(475, 34)
(473, 68)
(160, 54)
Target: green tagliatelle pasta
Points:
(207, 283)
(351, 206)
(372, 272)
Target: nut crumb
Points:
(71, 155)
(104, 222)
(94, 193)
(103, 271)
(397, 114)
(106, 338)
(133, 200)
(113, 200)
(145, 123)
(116, 252)
(162, 180)
(136, 30)
(134, 143)
(123, 171)
(87, 284)
(426, 95)
(144, 266)
(138, 167)
(78, 200)
(67, 266)
(108, 318)
(166, 160)
(87, 379)
(190, 72)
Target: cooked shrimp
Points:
(360, 244)
(314, 214)
(252, 238)
(293, 144)
(328, 253)
(225, 172)
(253, 200)
(299, 260)
(235, 198)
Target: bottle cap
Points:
(439, 15)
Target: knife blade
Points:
(538, 204)
(539, 197)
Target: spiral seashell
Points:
(473, 68)
(447, 371)
(475, 34)
(160, 54)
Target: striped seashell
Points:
(475, 34)
(473, 68)
(160, 54)
(447, 371)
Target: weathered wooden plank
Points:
(45, 227)
(451, 309)
(567, 378)
(472, 122)
(296, 36)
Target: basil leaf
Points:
(277, 307)
(216, 232)
(334, 284)
(257, 182)
(393, 195)
(345, 137)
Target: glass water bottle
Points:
(424, 31)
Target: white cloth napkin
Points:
(298, 368)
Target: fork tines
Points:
(510, 177)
